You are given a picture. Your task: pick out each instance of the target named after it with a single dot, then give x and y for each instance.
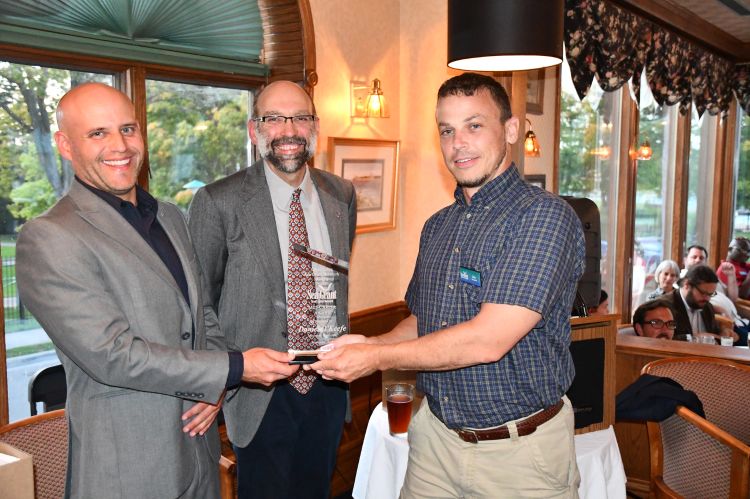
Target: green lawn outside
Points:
(16, 325)
(42, 347)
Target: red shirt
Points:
(740, 271)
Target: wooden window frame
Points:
(130, 77)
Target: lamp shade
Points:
(504, 35)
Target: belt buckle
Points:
(468, 435)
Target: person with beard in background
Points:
(691, 305)
(246, 229)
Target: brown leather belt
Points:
(525, 427)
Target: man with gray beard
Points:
(247, 229)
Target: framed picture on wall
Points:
(535, 91)
(372, 166)
(537, 180)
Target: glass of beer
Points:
(399, 398)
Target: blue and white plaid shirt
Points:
(527, 246)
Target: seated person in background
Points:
(723, 302)
(666, 274)
(691, 303)
(739, 251)
(603, 307)
(654, 319)
(695, 255)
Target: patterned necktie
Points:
(301, 322)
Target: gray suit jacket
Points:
(234, 232)
(123, 331)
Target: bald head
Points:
(276, 93)
(76, 102)
(99, 134)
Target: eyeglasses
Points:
(273, 120)
(704, 293)
(658, 323)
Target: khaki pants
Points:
(441, 465)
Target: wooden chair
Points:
(743, 307)
(228, 478)
(696, 457)
(45, 438)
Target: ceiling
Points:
(730, 16)
(721, 24)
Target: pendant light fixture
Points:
(504, 35)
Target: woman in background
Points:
(667, 273)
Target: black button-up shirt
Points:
(142, 217)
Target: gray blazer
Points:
(234, 232)
(123, 331)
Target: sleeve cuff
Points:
(236, 367)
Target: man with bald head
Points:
(111, 275)
(246, 228)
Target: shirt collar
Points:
(147, 204)
(493, 189)
(281, 192)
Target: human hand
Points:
(727, 269)
(265, 366)
(199, 418)
(347, 362)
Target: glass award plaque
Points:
(324, 301)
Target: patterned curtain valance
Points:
(614, 45)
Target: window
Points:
(589, 154)
(196, 134)
(741, 219)
(654, 194)
(32, 179)
(700, 178)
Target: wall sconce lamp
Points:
(643, 152)
(530, 143)
(512, 35)
(368, 101)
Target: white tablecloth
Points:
(382, 464)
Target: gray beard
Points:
(287, 165)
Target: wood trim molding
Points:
(4, 414)
(378, 320)
(723, 198)
(308, 45)
(681, 184)
(555, 185)
(626, 209)
(289, 41)
(518, 105)
(672, 15)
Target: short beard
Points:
(479, 182)
(292, 164)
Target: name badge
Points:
(470, 276)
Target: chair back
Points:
(722, 386)
(49, 387)
(45, 438)
(626, 329)
(697, 457)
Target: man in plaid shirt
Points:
(489, 333)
